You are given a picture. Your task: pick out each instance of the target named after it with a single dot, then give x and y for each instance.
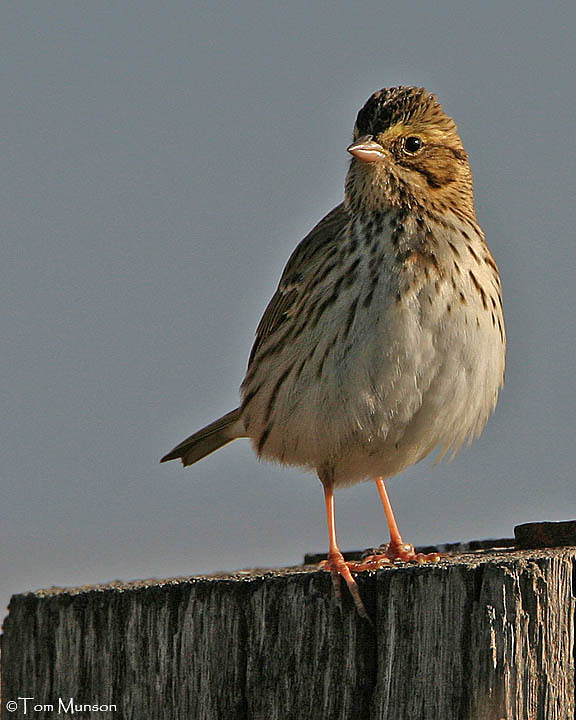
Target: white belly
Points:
(414, 372)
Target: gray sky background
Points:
(160, 162)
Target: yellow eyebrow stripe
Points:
(421, 129)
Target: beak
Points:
(367, 150)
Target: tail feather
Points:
(206, 441)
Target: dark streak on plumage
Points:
(474, 255)
(328, 349)
(488, 260)
(379, 220)
(397, 234)
(479, 288)
(350, 270)
(324, 305)
(249, 397)
(262, 440)
(369, 225)
(275, 391)
(368, 299)
(298, 372)
(454, 249)
(350, 317)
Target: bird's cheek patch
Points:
(438, 169)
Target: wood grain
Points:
(481, 636)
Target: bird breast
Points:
(407, 357)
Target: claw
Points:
(338, 567)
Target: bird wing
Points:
(297, 273)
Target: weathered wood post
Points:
(484, 635)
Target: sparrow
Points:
(385, 339)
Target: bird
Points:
(385, 338)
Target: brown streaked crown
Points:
(401, 105)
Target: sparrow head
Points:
(407, 152)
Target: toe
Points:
(373, 562)
(339, 568)
(406, 553)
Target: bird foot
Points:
(393, 553)
(338, 567)
(397, 552)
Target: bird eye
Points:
(413, 144)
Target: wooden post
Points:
(482, 636)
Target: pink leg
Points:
(397, 549)
(335, 564)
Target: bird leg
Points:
(396, 549)
(335, 564)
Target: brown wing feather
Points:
(296, 273)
